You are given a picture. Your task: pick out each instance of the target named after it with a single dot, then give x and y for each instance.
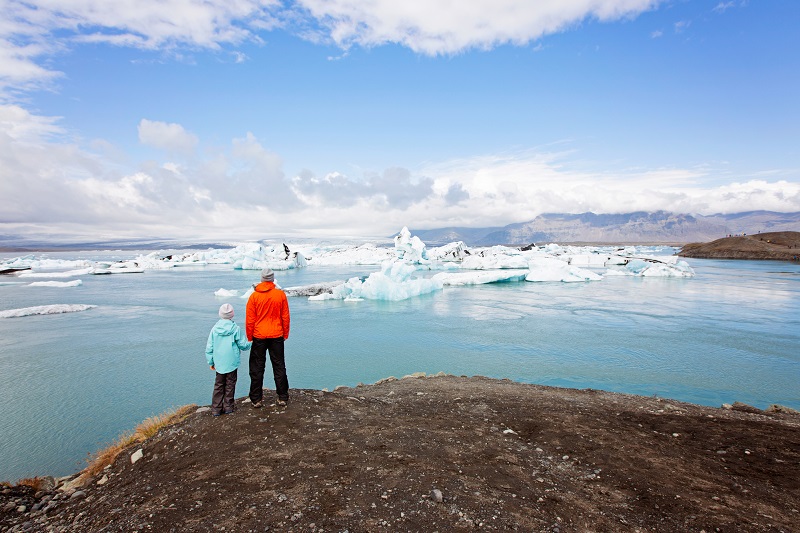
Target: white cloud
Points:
(51, 185)
(166, 136)
(723, 7)
(442, 27)
(33, 30)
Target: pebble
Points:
(135, 456)
(78, 495)
(436, 495)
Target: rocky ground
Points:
(782, 245)
(443, 453)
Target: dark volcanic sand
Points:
(504, 455)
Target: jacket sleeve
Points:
(241, 342)
(249, 318)
(285, 317)
(210, 349)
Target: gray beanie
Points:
(267, 275)
(226, 311)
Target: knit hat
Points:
(226, 311)
(267, 275)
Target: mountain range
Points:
(634, 228)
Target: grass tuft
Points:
(150, 427)
(36, 483)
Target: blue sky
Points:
(261, 118)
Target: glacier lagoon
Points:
(74, 381)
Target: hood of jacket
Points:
(264, 286)
(225, 327)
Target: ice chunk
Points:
(552, 269)
(45, 310)
(455, 251)
(408, 248)
(453, 279)
(394, 282)
(51, 275)
(313, 289)
(75, 283)
(669, 267)
(224, 293)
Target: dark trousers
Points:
(258, 361)
(224, 392)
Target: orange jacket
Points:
(267, 313)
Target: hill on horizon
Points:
(637, 227)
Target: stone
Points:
(78, 495)
(103, 480)
(21, 509)
(776, 408)
(203, 409)
(743, 407)
(436, 495)
(135, 456)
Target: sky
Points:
(251, 119)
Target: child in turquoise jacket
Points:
(225, 342)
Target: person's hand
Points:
(212, 367)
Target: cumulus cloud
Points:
(166, 136)
(436, 27)
(49, 183)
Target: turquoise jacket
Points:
(224, 344)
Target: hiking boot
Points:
(282, 403)
(258, 404)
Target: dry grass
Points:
(36, 483)
(143, 431)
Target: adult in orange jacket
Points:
(267, 325)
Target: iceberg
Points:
(312, 290)
(650, 267)
(224, 293)
(45, 310)
(552, 269)
(67, 274)
(460, 279)
(75, 283)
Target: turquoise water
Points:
(74, 382)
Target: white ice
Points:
(456, 279)
(51, 275)
(552, 269)
(405, 269)
(225, 293)
(45, 310)
(76, 283)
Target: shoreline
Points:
(529, 455)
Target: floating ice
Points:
(313, 289)
(394, 282)
(224, 293)
(551, 269)
(45, 310)
(649, 267)
(409, 249)
(76, 283)
(454, 279)
(67, 274)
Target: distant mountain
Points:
(638, 227)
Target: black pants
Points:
(258, 361)
(224, 392)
